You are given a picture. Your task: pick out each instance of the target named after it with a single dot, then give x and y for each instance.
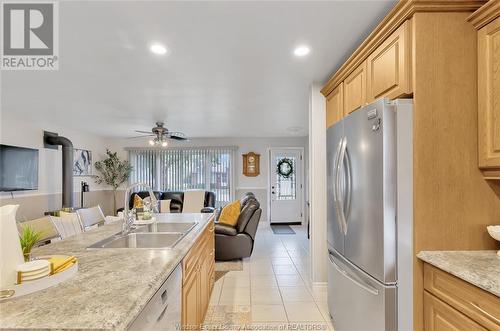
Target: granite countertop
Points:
(111, 287)
(480, 268)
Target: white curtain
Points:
(180, 169)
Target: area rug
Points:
(282, 229)
(223, 267)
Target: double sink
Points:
(155, 235)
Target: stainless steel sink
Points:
(140, 240)
(180, 227)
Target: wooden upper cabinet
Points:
(388, 67)
(355, 89)
(489, 97)
(335, 105)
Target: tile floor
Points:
(273, 291)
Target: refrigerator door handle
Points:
(348, 186)
(336, 189)
(339, 199)
(344, 273)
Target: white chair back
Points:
(193, 201)
(43, 225)
(92, 216)
(67, 224)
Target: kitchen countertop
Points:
(111, 287)
(479, 268)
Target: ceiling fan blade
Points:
(148, 135)
(177, 137)
(139, 131)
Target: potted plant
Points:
(113, 172)
(28, 238)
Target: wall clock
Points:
(251, 164)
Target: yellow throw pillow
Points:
(230, 213)
(137, 201)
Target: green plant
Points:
(113, 172)
(28, 238)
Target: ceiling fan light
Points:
(164, 143)
(151, 142)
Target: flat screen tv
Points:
(18, 168)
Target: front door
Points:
(286, 185)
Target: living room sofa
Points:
(176, 200)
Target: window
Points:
(181, 169)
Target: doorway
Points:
(286, 185)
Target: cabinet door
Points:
(204, 281)
(191, 302)
(335, 105)
(489, 95)
(355, 89)
(438, 316)
(388, 67)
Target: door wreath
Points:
(285, 168)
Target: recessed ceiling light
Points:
(301, 51)
(158, 49)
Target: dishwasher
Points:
(163, 310)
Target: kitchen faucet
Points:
(128, 215)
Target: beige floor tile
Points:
(242, 273)
(261, 270)
(285, 270)
(289, 280)
(317, 326)
(281, 261)
(320, 294)
(268, 326)
(323, 308)
(266, 296)
(235, 296)
(268, 313)
(303, 312)
(240, 281)
(263, 281)
(296, 294)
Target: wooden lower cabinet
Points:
(439, 316)
(451, 303)
(198, 279)
(190, 301)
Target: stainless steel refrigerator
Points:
(365, 232)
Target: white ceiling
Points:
(229, 72)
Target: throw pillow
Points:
(230, 213)
(137, 201)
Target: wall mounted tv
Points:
(18, 168)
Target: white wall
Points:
(317, 175)
(26, 133)
(259, 184)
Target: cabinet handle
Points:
(484, 312)
(162, 314)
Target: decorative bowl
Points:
(494, 231)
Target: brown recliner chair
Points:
(237, 242)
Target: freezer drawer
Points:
(356, 301)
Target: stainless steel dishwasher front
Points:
(163, 311)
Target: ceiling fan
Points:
(160, 135)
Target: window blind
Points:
(181, 169)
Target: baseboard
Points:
(287, 223)
(320, 285)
